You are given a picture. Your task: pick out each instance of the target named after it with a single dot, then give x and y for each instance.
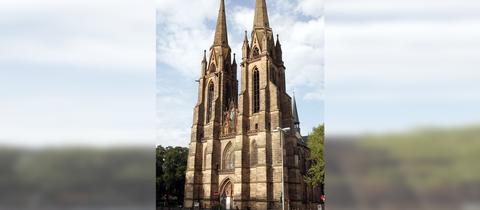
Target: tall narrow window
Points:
(228, 157)
(226, 96)
(256, 91)
(210, 101)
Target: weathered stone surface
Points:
(235, 151)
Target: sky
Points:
(77, 72)
(84, 72)
(182, 38)
(394, 65)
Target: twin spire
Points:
(260, 21)
(221, 38)
(261, 15)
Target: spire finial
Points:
(261, 15)
(204, 55)
(296, 121)
(245, 39)
(221, 37)
(234, 58)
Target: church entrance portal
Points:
(226, 195)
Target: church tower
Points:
(237, 156)
(217, 95)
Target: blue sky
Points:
(181, 41)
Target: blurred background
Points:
(77, 108)
(402, 98)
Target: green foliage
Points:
(431, 159)
(316, 172)
(171, 167)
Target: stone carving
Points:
(230, 119)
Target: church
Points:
(246, 149)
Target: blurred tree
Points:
(160, 185)
(171, 167)
(316, 173)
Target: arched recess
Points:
(228, 160)
(212, 68)
(226, 193)
(210, 95)
(256, 52)
(253, 153)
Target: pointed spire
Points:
(204, 56)
(221, 37)
(234, 62)
(296, 121)
(245, 39)
(261, 15)
(278, 41)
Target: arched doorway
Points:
(226, 194)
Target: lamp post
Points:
(282, 131)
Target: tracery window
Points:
(256, 52)
(211, 89)
(256, 91)
(212, 68)
(228, 157)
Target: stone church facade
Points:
(235, 153)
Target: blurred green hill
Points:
(428, 168)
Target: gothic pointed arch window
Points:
(228, 157)
(210, 96)
(212, 68)
(227, 96)
(254, 153)
(256, 91)
(256, 52)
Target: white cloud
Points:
(311, 7)
(411, 61)
(86, 34)
(183, 33)
(77, 72)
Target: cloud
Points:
(311, 7)
(405, 60)
(77, 72)
(81, 33)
